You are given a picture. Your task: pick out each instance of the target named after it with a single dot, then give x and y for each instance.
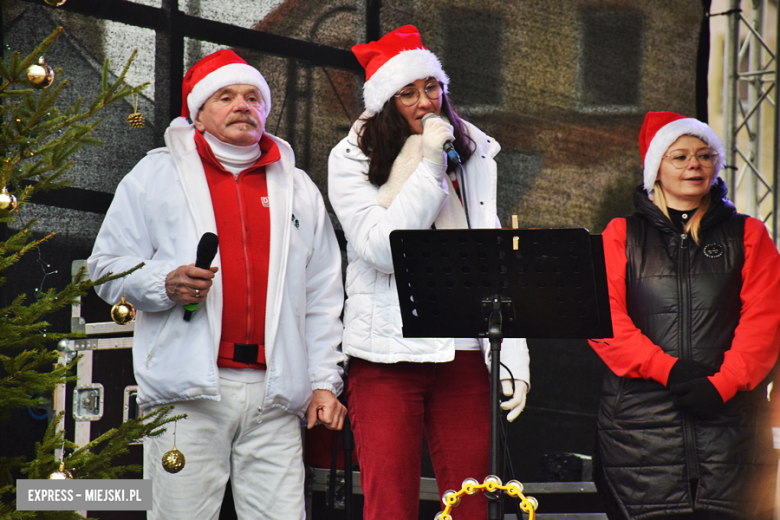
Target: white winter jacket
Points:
(160, 211)
(372, 317)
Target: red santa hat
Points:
(218, 70)
(660, 130)
(394, 61)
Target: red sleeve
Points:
(630, 353)
(757, 338)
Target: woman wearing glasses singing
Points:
(391, 173)
(695, 297)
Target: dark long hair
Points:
(384, 134)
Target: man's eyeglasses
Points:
(681, 160)
(410, 96)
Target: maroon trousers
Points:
(392, 405)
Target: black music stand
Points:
(495, 283)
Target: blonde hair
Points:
(692, 226)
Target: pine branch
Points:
(19, 67)
(39, 139)
(37, 143)
(12, 75)
(92, 461)
(24, 385)
(17, 245)
(27, 373)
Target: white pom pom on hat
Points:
(392, 62)
(660, 130)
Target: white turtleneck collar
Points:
(234, 159)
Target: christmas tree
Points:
(38, 140)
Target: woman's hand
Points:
(685, 370)
(699, 397)
(436, 132)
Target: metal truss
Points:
(744, 170)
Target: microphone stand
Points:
(494, 335)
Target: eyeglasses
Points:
(681, 160)
(410, 96)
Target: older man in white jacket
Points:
(260, 354)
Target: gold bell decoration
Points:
(61, 474)
(7, 199)
(173, 461)
(40, 74)
(123, 312)
(55, 3)
(136, 119)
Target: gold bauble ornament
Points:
(173, 461)
(123, 312)
(55, 3)
(7, 200)
(61, 474)
(40, 75)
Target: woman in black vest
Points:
(695, 298)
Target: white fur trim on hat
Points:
(400, 70)
(667, 135)
(231, 74)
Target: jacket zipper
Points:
(684, 287)
(246, 263)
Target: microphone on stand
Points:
(448, 148)
(207, 250)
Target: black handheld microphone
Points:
(207, 250)
(448, 148)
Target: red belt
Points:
(241, 355)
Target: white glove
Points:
(436, 132)
(517, 403)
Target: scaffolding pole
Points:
(730, 92)
(775, 221)
(751, 186)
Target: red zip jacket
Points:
(243, 225)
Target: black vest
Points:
(685, 297)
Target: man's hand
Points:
(325, 407)
(189, 284)
(517, 401)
